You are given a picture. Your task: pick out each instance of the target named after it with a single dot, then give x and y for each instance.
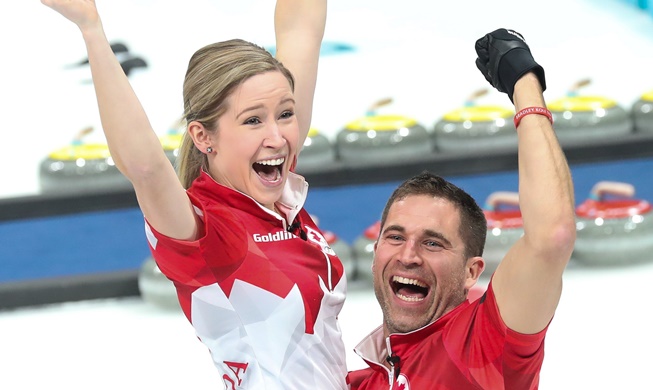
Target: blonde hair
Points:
(214, 71)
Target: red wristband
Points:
(532, 110)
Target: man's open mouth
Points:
(409, 290)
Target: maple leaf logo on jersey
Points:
(401, 383)
(316, 237)
(252, 319)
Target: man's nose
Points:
(408, 255)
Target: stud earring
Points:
(209, 150)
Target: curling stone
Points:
(155, 287)
(504, 228)
(363, 250)
(81, 167)
(341, 248)
(612, 227)
(382, 138)
(475, 127)
(642, 113)
(171, 142)
(344, 253)
(317, 151)
(582, 118)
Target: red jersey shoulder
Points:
(355, 378)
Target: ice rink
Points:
(600, 338)
(418, 52)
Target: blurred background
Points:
(80, 308)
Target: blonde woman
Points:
(253, 273)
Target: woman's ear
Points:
(201, 136)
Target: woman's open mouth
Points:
(269, 170)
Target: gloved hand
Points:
(503, 58)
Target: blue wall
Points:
(114, 240)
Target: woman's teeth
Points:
(272, 162)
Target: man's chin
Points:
(405, 324)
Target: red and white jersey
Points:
(467, 348)
(263, 300)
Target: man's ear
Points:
(473, 269)
(376, 243)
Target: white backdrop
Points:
(420, 53)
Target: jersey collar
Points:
(291, 202)
(375, 348)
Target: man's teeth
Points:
(409, 299)
(273, 162)
(403, 280)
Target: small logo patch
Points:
(316, 237)
(232, 382)
(281, 235)
(515, 33)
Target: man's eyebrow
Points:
(438, 235)
(427, 233)
(397, 228)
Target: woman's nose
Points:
(274, 137)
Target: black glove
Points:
(503, 58)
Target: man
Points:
(428, 256)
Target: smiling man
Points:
(429, 255)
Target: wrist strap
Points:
(532, 110)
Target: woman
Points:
(253, 273)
